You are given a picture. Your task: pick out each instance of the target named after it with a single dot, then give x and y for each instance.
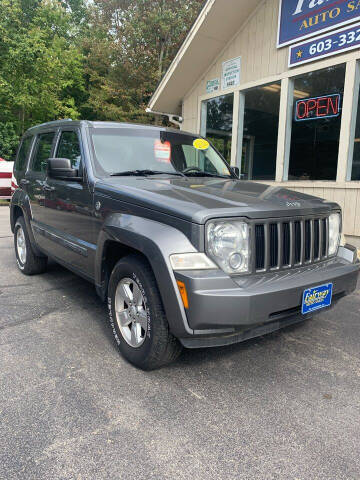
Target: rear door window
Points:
(23, 154)
(42, 151)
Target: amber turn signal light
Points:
(183, 293)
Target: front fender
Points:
(156, 241)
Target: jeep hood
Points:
(199, 199)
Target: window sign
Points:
(317, 107)
(305, 18)
(213, 85)
(231, 73)
(162, 151)
(329, 44)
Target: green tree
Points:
(41, 73)
(74, 58)
(132, 45)
(9, 140)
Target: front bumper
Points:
(224, 310)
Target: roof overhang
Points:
(216, 25)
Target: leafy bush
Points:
(9, 140)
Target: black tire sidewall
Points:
(127, 268)
(33, 264)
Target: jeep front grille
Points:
(287, 243)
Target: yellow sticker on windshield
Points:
(201, 144)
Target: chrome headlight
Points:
(334, 233)
(228, 245)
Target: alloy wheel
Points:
(131, 315)
(21, 245)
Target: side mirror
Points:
(235, 171)
(61, 168)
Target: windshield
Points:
(118, 150)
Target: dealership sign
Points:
(314, 108)
(304, 18)
(341, 40)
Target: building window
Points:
(355, 170)
(218, 122)
(260, 132)
(316, 124)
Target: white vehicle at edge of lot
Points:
(7, 180)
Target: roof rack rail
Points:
(57, 121)
(52, 122)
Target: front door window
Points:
(69, 147)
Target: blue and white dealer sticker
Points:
(316, 298)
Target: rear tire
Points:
(27, 261)
(137, 316)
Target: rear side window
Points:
(69, 147)
(42, 151)
(23, 154)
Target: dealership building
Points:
(275, 86)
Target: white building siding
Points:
(262, 63)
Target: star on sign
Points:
(299, 53)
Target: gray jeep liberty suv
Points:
(184, 252)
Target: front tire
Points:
(27, 261)
(137, 315)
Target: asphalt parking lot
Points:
(284, 406)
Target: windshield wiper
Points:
(135, 173)
(206, 174)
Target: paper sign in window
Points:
(162, 151)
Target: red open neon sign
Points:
(327, 106)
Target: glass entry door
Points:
(217, 123)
